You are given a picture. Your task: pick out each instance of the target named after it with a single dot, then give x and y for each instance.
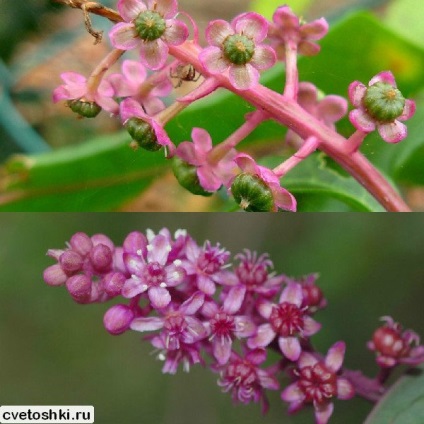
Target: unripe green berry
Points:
(150, 25)
(238, 49)
(384, 102)
(84, 108)
(143, 134)
(252, 194)
(187, 177)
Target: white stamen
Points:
(177, 262)
(162, 284)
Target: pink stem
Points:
(355, 141)
(292, 76)
(289, 113)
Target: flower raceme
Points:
(199, 305)
(236, 52)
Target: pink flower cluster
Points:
(194, 302)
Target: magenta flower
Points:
(151, 272)
(246, 380)
(318, 383)
(286, 28)
(382, 106)
(224, 325)
(151, 28)
(286, 320)
(206, 265)
(212, 175)
(179, 326)
(154, 132)
(131, 83)
(394, 346)
(237, 47)
(281, 197)
(75, 88)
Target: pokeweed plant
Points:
(235, 315)
(235, 55)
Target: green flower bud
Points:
(384, 102)
(143, 134)
(252, 194)
(84, 108)
(150, 25)
(187, 177)
(238, 49)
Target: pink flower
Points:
(224, 325)
(151, 28)
(75, 88)
(282, 198)
(382, 106)
(394, 346)
(286, 28)
(286, 320)
(246, 380)
(129, 108)
(237, 47)
(199, 153)
(318, 383)
(150, 271)
(132, 83)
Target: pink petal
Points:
(285, 19)
(244, 326)
(252, 25)
(193, 303)
(187, 153)
(310, 326)
(361, 120)
(385, 76)
(356, 93)
(256, 356)
(335, 356)
(263, 337)
(107, 104)
(247, 164)
(152, 105)
(133, 287)
(61, 93)
(323, 412)
(264, 308)
(201, 139)
(393, 132)
(314, 30)
(210, 309)
(159, 296)
(174, 275)
(345, 389)
(308, 48)
(158, 250)
(213, 60)
(120, 85)
(222, 349)
(206, 285)
(292, 294)
(306, 360)
(267, 381)
(234, 299)
(408, 110)
(176, 33)
(195, 330)
(292, 393)
(134, 72)
(217, 31)
(332, 108)
(130, 9)
(147, 324)
(263, 58)
(283, 199)
(73, 78)
(130, 108)
(243, 77)
(153, 54)
(167, 8)
(290, 346)
(124, 37)
(207, 179)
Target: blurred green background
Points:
(56, 352)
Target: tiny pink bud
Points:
(117, 319)
(54, 275)
(134, 242)
(113, 283)
(70, 261)
(102, 239)
(79, 287)
(81, 243)
(101, 257)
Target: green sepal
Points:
(252, 194)
(84, 108)
(187, 177)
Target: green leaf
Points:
(319, 187)
(403, 403)
(268, 7)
